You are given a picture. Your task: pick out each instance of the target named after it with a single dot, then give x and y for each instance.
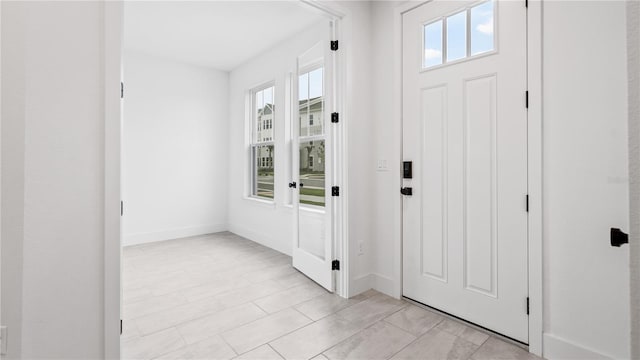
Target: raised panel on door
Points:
(433, 232)
(480, 186)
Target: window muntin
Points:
(468, 33)
(311, 136)
(262, 145)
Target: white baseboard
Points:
(360, 284)
(260, 238)
(169, 234)
(377, 282)
(383, 284)
(557, 348)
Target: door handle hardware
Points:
(618, 237)
(292, 185)
(407, 172)
(406, 191)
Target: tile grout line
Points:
(303, 314)
(259, 307)
(229, 345)
(276, 351)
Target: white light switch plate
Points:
(382, 165)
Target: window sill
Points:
(265, 202)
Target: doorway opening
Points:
(216, 127)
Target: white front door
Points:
(465, 131)
(313, 168)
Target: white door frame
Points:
(113, 45)
(341, 17)
(534, 177)
(113, 39)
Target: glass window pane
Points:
(268, 96)
(259, 100)
(457, 36)
(312, 173)
(303, 113)
(312, 106)
(303, 86)
(432, 44)
(482, 28)
(259, 103)
(303, 102)
(263, 156)
(315, 83)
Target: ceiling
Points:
(217, 34)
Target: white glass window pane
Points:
(263, 172)
(312, 173)
(259, 100)
(303, 86)
(482, 28)
(268, 96)
(303, 103)
(315, 83)
(433, 44)
(457, 36)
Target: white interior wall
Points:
(586, 289)
(387, 136)
(358, 110)
(585, 179)
(13, 114)
(175, 147)
(53, 158)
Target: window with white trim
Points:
(262, 145)
(459, 36)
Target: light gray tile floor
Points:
(221, 296)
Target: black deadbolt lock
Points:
(406, 191)
(407, 172)
(618, 237)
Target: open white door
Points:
(312, 166)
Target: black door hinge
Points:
(120, 326)
(526, 3)
(121, 208)
(618, 237)
(527, 305)
(334, 45)
(335, 117)
(335, 265)
(526, 99)
(121, 90)
(335, 191)
(527, 202)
